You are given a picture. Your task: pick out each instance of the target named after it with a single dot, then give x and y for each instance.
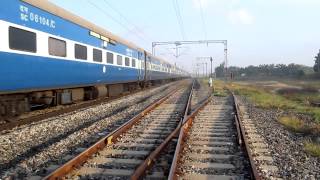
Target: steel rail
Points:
(186, 124)
(238, 131)
(107, 140)
(245, 144)
(242, 140)
(149, 161)
(19, 121)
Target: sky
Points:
(257, 31)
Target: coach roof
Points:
(58, 11)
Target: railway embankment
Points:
(289, 124)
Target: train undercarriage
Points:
(13, 105)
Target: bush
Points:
(294, 124)
(312, 148)
(264, 99)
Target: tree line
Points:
(265, 70)
(270, 70)
(316, 66)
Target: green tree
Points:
(220, 70)
(316, 66)
(265, 70)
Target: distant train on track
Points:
(49, 56)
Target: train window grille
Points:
(97, 55)
(109, 57)
(119, 60)
(22, 40)
(133, 63)
(126, 61)
(80, 52)
(57, 47)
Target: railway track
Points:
(38, 115)
(200, 93)
(211, 144)
(133, 147)
(48, 144)
(257, 146)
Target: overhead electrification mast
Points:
(179, 43)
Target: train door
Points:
(140, 67)
(144, 68)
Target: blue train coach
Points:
(49, 56)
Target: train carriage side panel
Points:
(25, 71)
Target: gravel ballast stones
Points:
(27, 149)
(287, 148)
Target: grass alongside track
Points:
(312, 148)
(295, 124)
(219, 88)
(261, 97)
(266, 99)
(293, 102)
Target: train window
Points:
(80, 52)
(109, 57)
(22, 40)
(133, 63)
(57, 47)
(119, 60)
(126, 61)
(97, 55)
(148, 66)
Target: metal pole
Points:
(211, 67)
(206, 70)
(178, 43)
(197, 70)
(226, 59)
(177, 52)
(203, 69)
(153, 49)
